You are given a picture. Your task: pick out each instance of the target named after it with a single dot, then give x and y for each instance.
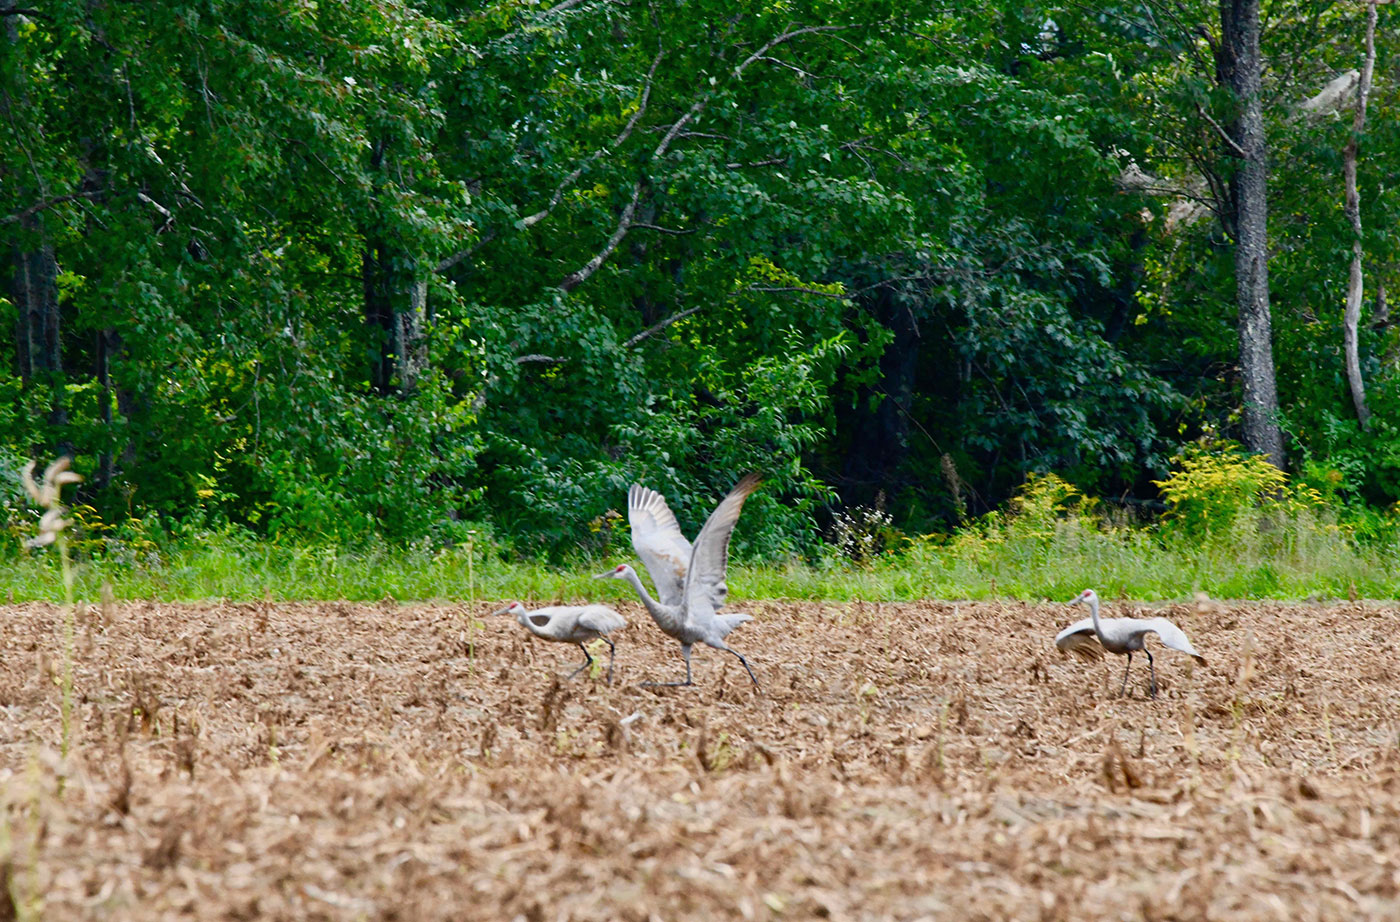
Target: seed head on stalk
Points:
(46, 493)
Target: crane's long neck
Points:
(1094, 613)
(524, 618)
(667, 617)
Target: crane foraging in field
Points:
(575, 624)
(1092, 636)
(689, 578)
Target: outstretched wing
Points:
(1079, 638)
(658, 540)
(704, 580)
(1172, 636)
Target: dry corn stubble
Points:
(346, 761)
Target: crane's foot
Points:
(667, 684)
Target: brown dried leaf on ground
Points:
(341, 761)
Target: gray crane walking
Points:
(689, 579)
(575, 624)
(1090, 637)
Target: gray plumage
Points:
(1092, 636)
(658, 540)
(689, 578)
(575, 624)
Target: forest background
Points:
(356, 279)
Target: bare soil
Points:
(923, 761)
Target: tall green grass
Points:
(1282, 560)
(1233, 529)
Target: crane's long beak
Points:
(502, 611)
(603, 575)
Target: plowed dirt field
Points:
(919, 761)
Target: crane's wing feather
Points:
(729, 621)
(658, 540)
(704, 580)
(1173, 636)
(600, 619)
(1079, 638)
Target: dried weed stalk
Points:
(47, 493)
(549, 706)
(1237, 706)
(1002, 810)
(1119, 772)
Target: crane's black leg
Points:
(612, 651)
(742, 660)
(1124, 690)
(1152, 672)
(685, 651)
(587, 661)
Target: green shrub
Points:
(1214, 487)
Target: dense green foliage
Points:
(1050, 542)
(430, 273)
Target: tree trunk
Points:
(1351, 318)
(38, 324)
(35, 291)
(1240, 67)
(881, 431)
(396, 309)
(102, 369)
(34, 281)
(396, 313)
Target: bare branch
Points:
(676, 127)
(317, 157)
(460, 255)
(664, 230)
(700, 104)
(773, 161)
(792, 67)
(1225, 135)
(799, 289)
(534, 358)
(849, 293)
(687, 135)
(859, 144)
(544, 15)
(561, 7)
(624, 224)
(785, 37)
(165, 212)
(567, 181)
(47, 204)
(658, 327)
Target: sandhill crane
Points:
(576, 624)
(689, 579)
(1121, 636)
